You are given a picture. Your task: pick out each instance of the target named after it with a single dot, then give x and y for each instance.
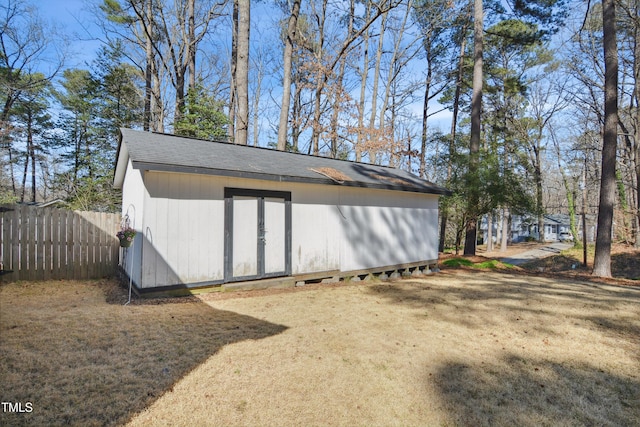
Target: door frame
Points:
(229, 193)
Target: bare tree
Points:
(363, 73)
(286, 84)
(325, 62)
(434, 22)
(602, 261)
(400, 55)
(169, 33)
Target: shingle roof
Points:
(558, 219)
(164, 152)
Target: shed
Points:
(218, 214)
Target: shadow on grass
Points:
(526, 392)
(626, 265)
(523, 389)
(554, 263)
(82, 361)
(517, 294)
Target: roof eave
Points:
(160, 167)
(121, 164)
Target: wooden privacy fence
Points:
(48, 243)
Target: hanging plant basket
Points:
(126, 236)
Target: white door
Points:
(274, 235)
(245, 236)
(257, 234)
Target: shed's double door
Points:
(257, 234)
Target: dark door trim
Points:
(229, 193)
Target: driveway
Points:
(524, 257)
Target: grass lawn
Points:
(461, 347)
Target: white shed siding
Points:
(133, 194)
(382, 227)
(347, 228)
(184, 229)
(333, 227)
(315, 229)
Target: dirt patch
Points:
(459, 347)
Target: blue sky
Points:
(73, 18)
(76, 19)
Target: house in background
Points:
(554, 224)
(523, 227)
(212, 214)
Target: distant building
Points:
(525, 227)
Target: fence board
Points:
(15, 216)
(46, 246)
(5, 259)
(40, 240)
(72, 237)
(55, 243)
(45, 243)
(24, 249)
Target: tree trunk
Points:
(363, 87)
(191, 44)
(296, 117)
(394, 67)
(320, 76)
(490, 232)
(179, 107)
(233, 87)
(376, 81)
(506, 233)
(338, 89)
(637, 166)
(425, 115)
(146, 125)
(32, 154)
(335, 113)
(157, 120)
(444, 213)
(474, 147)
(242, 124)
(286, 85)
(537, 176)
(602, 261)
(317, 114)
(256, 104)
(636, 135)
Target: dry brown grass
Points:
(454, 348)
(82, 358)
